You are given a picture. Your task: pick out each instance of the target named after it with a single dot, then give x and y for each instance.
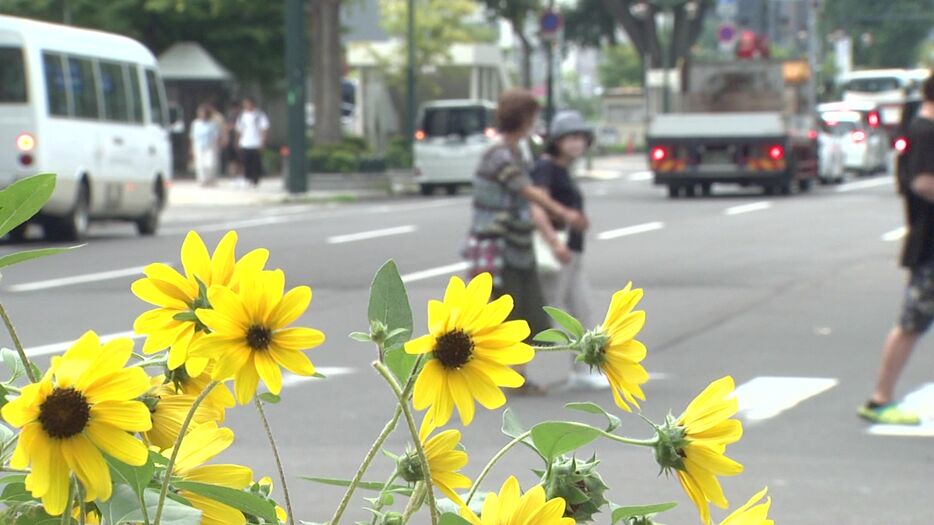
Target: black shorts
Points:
(252, 163)
(918, 310)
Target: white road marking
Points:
(864, 184)
(640, 176)
(372, 234)
(747, 208)
(449, 269)
(57, 348)
(234, 225)
(327, 371)
(920, 401)
(76, 279)
(895, 234)
(630, 230)
(766, 397)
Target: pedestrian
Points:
(252, 126)
(500, 240)
(566, 285)
(205, 136)
(917, 188)
(231, 155)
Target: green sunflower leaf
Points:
(566, 320)
(452, 519)
(555, 438)
(23, 199)
(593, 408)
(634, 511)
(513, 428)
(137, 478)
(18, 257)
(389, 305)
(269, 397)
(552, 335)
(12, 362)
(365, 485)
(124, 507)
(243, 501)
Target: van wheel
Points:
(18, 234)
(706, 189)
(451, 189)
(148, 223)
(426, 189)
(74, 226)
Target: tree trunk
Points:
(326, 70)
(526, 57)
(641, 32)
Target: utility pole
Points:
(410, 76)
(297, 181)
(813, 52)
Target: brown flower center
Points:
(453, 349)
(258, 337)
(64, 413)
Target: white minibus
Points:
(90, 107)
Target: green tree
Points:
(516, 13)
(245, 35)
(620, 66)
(893, 37)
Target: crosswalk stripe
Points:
(766, 397)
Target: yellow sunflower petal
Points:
(230, 476)
(125, 384)
(298, 338)
(195, 258)
(290, 308)
(268, 371)
(292, 360)
(245, 383)
(420, 345)
(87, 462)
(117, 443)
(695, 494)
(223, 261)
(132, 416)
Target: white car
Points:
(449, 142)
(90, 107)
(857, 126)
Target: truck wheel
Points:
(690, 190)
(706, 189)
(674, 191)
(426, 189)
(805, 185)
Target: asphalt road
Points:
(792, 296)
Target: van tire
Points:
(18, 234)
(74, 226)
(451, 189)
(148, 223)
(426, 189)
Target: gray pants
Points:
(569, 290)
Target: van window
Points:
(83, 87)
(136, 96)
(873, 85)
(55, 89)
(156, 106)
(114, 89)
(462, 121)
(12, 75)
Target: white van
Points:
(90, 107)
(886, 88)
(451, 138)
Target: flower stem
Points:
(387, 430)
(178, 444)
(499, 455)
(553, 348)
(82, 509)
(66, 514)
(415, 502)
(630, 441)
(413, 430)
(18, 344)
(275, 453)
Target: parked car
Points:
(449, 142)
(864, 141)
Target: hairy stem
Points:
(18, 345)
(489, 466)
(275, 453)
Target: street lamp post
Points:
(410, 75)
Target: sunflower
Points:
(168, 410)
(705, 429)
(612, 348)
(249, 338)
(220, 397)
(444, 460)
(471, 347)
(266, 484)
(83, 406)
(510, 507)
(201, 445)
(751, 515)
(173, 324)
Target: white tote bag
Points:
(544, 256)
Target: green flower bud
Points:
(409, 467)
(579, 484)
(392, 518)
(671, 442)
(592, 347)
(378, 331)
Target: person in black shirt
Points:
(566, 287)
(917, 187)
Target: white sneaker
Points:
(586, 381)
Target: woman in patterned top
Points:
(501, 231)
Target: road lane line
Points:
(895, 234)
(921, 402)
(630, 230)
(747, 208)
(435, 272)
(640, 176)
(328, 372)
(372, 234)
(766, 397)
(864, 184)
(76, 279)
(56, 348)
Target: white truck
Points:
(746, 122)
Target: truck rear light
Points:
(25, 159)
(858, 136)
(776, 152)
(25, 142)
(874, 119)
(419, 135)
(812, 134)
(658, 154)
(900, 144)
